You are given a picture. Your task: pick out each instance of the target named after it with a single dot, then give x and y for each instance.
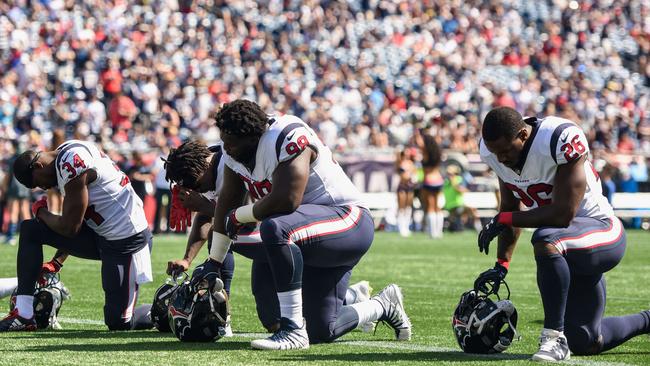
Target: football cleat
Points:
(392, 301)
(289, 336)
(553, 347)
(14, 322)
(227, 330)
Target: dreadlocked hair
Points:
(241, 118)
(187, 163)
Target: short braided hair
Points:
(186, 164)
(241, 118)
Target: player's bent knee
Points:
(582, 341)
(544, 249)
(271, 232)
(29, 229)
(117, 324)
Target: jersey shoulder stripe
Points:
(555, 136)
(283, 134)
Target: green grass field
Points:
(432, 274)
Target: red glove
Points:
(41, 203)
(179, 216)
(53, 266)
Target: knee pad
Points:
(583, 341)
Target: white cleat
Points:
(392, 301)
(553, 347)
(227, 330)
(289, 336)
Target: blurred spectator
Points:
(17, 197)
(163, 193)
(140, 175)
(432, 183)
(609, 187)
(454, 193)
(627, 184)
(407, 181)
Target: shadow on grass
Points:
(128, 346)
(90, 334)
(400, 355)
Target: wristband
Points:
(244, 214)
(504, 263)
(505, 218)
(220, 246)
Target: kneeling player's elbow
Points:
(72, 231)
(564, 219)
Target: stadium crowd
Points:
(145, 75)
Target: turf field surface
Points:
(432, 274)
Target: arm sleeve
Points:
(568, 143)
(72, 162)
(292, 141)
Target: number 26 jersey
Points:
(114, 210)
(553, 142)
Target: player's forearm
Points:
(66, 227)
(198, 236)
(551, 215)
(60, 256)
(507, 243)
(206, 208)
(274, 204)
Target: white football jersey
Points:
(285, 138)
(114, 210)
(218, 172)
(554, 141)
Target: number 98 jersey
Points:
(553, 142)
(285, 138)
(114, 210)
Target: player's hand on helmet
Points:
(205, 269)
(53, 266)
(232, 225)
(490, 280)
(177, 267)
(490, 231)
(40, 203)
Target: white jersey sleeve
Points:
(297, 138)
(568, 143)
(73, 160)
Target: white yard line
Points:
(404, 346)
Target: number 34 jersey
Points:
(286, 137)
(114, 210)
(553, 142)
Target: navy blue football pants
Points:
(314, 249)
(573, 288)
(120, 288)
